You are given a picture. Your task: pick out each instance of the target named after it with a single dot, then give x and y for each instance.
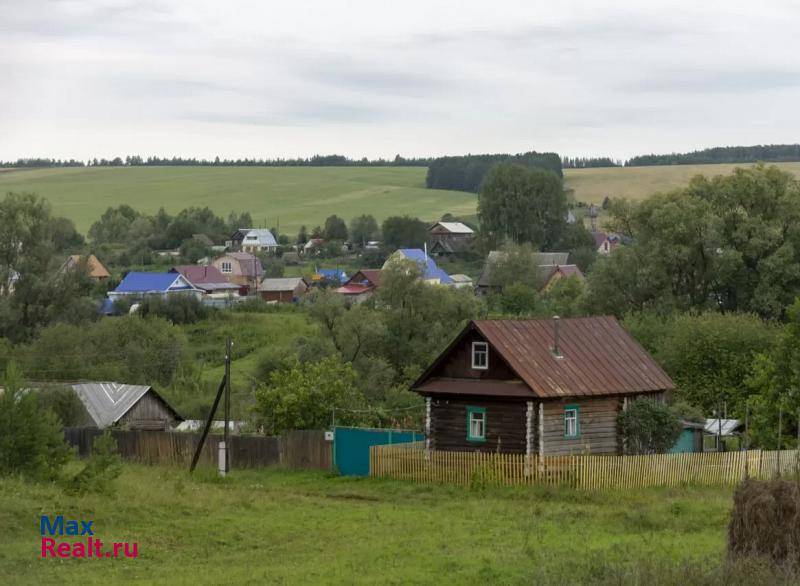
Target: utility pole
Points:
(228, 346)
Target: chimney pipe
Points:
(556, 349)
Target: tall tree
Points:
(522, 204)
(404, 232)
(363, 228)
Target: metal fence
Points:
(295, 449)
(413, 462)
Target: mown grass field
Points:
(285, 196)
(592, 185)
(278, 527)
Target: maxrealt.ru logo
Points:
(90, 547)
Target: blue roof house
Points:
(136, 284)
(431, 272)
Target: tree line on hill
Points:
(772, 153)
(465, 173)
(154, 161)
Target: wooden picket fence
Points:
(412, 462)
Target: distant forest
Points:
(772, 153)
(137, 161)
(463, 173)
(589, 162)
(466, 173)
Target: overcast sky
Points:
(241, 78)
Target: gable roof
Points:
(454, 227)
(259, 237)
(541, 260)
(107, 402)
(248, 264)
(280, 284)
(430, 268)
(137, 282)
(597, 357)
(95, 268)
(205, 277)
(365, 277)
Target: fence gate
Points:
(351, 446)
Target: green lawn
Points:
(592, 185)
(278, 527)
(289, 196)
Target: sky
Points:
(260, 79)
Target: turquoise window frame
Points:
(577, 409)
(470, 411)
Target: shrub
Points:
(31, 438)
(100, 470)
(648, 427)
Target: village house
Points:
(360, 286)
(449, 238)
(543, 263)
(252, 240)
(605, 243)
(546, 387)
(136, 286)
(283, 290)
(207, 278)
(95, 269)
(111, 404)
(554, 273)
(431, 273)
(241, 268)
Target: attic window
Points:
(226, 267)
(480, 355)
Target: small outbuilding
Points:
(112, 404)
(283, 290)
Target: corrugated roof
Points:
(201, 275)
(729, 426)
(136, 282)
(259, 237)
(596, 357)
(248, 264)
(455, 227)
(107, 402)
(280, 284)
(432, 270)
(540, 261)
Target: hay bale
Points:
(765, 522)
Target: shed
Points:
(283, 290)
(112, 404)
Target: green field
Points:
(293, 196)
(592, 185)
(278, 196)
(278, 527)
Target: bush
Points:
(31, 438)
(101, 469)
(648, 427)
(179, 309)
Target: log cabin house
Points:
(546, 387)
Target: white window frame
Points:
(226, 267)
(571, 425)
(477, 421)
(480, 349)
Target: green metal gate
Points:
(351, 446)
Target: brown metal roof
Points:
(598, 357)
(460, 386)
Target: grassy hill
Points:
(289, 196)
(592, 185)
(292, 196)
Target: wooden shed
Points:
(547, 387)
(111, 404)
